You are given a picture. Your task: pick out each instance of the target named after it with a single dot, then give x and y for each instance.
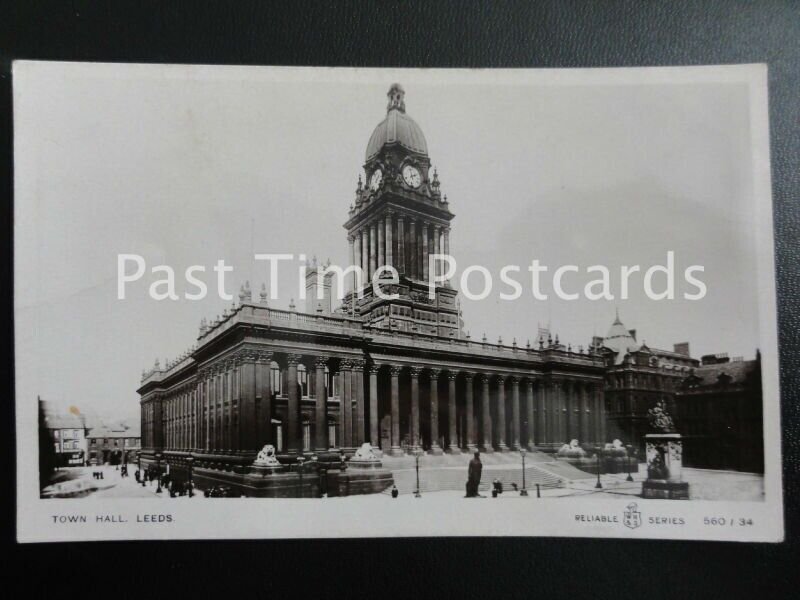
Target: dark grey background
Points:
(442, 34)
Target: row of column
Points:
(179, 426)
(553, 415)
(230, 409)
(373, 245)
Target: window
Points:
(302, 379)
(306, 436)
(275, 383)
(56, 446)
(331, 434)
(56, 434)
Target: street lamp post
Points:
(300, 461)
(523, 491)
(189, 461)
(628, 464)
(141, 473)
(598, 485)
(158, 472)
(417, 454)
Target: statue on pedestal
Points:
(659, 418)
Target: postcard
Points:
(272, 302)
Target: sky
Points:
(188, 165)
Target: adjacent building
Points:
(719, 411)
(115, 443)
(67, 431)
(716, 403)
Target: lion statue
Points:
(572, 450)
(365, 453)
(267, 457)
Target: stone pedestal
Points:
(364, 475)
(664, 465)
(435, 450)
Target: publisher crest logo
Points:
(632, 518)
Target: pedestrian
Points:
(497, 488)
(474, 476)
(395, 491)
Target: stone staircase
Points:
(449, 472)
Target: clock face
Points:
(375, 180)
(411, 176)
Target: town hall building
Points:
(400, 374)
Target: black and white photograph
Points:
(277, 302)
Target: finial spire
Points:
(396, 96)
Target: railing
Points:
(256, 313)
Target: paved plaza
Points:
(703, 485)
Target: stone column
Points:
(415, 437)
(425, 234)
(502, 425)
(230, 391)
(401, 245)
(412, 249)
(487, 417)
(601, 413)
(374, 434)
(573, 410)
(294, 442)
(346, 404)
(365, 253)
(562, 413)
(206, 410)
(446, 241)
(264, 391)
(381, 248)
(389, 249)
(355, 256)
(437, 247)
(470, 410)
(515, 422)
(247, 401)
(373, 250)
(357, 377)
(220, 408)
(553, 413)
(529, 406)
(436, 449)
(321, 407)
(452, 414)
(211, 390)
(395, 373)
(541, 415)
(584, 412)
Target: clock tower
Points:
(399, 218)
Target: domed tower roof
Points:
(620, 340)
(397, 127)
